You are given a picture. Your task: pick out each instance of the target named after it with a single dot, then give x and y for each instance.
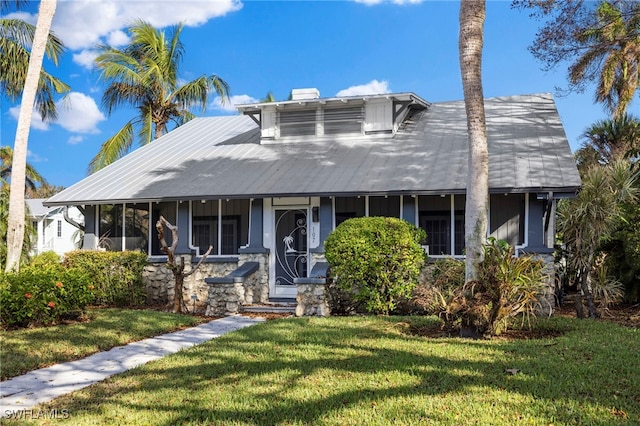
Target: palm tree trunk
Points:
(472, 16)
(15, 225)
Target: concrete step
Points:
(270, 307)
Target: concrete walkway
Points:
(39, 386)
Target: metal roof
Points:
(221, 157)
(36, 209)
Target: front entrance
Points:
(291, 250)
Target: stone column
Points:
(312, 300)
(548, 299)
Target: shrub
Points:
(46, 258)
(43, 294)
(507, 287)
(117, 276)
(377, 258)
(442, 283)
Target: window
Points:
(340, 121)
(136, 219)
(436, 225)
(384, 206)
(297, 123)
(110, 227)
(226, 236)
(168, 211)
(443, 223)
(349, 207)
(59, 229)
(329, 120)
(507, 216)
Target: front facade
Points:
(53, 231)
(268, 186)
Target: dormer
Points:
(306, 115)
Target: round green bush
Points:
(379, 259)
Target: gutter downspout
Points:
(67, 218)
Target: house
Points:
(266, 187)
(54, 232)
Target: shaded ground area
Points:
(624, 314)
(627, 315)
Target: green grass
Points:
(28, 349)
(366, 370)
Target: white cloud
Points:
(83, 24)
(77, 113)
(36, 121)
(229, 106)
(85, 58)
(118, 38)
(24, 16)
(74, 140)
(374, 87)
(35, 158)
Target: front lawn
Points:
(368, 370)
(23, 350)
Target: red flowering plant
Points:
(43, 294)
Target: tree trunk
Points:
(177, 267)
(178, 284)
(15, 222)
(472, 16)
(585, 286)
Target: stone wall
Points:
(159, 282)
(257, 285)
(225, 299)
(548, 299)
(312, 300)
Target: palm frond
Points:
(115, 147)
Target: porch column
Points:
(409, 209)
(182, 221)
(256, 234)
(90, 240)
(536, 226)
(325, 216)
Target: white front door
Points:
(291, 251)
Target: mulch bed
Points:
(625, 315)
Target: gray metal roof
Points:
(221, 157)
(36, 209)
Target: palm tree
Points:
(29, 234)
(588, 220)
(614, 49)
(472, 16)
(32, 177)
(145, 75)
(16, 37)
(15, 221)
(608, 140)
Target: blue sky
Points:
(339, 47)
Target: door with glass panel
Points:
(291, 250)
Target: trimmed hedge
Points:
(117, 276)
(379, 259)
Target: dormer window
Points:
(343, 120)
(321, 120)
(306, 115)
(297, 122)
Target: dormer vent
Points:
(304, 94)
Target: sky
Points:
(339, 47)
